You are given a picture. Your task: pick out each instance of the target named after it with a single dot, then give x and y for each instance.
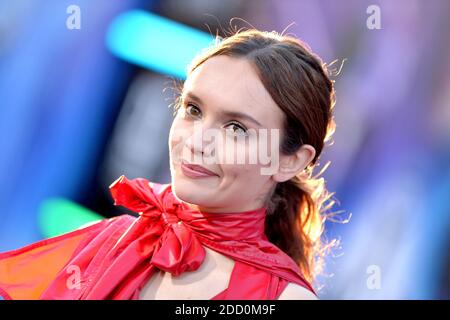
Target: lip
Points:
(196, 171)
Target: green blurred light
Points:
(58, 215)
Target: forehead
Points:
(232, 84)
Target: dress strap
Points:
(250, 283)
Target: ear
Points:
(291, 165)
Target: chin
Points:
(194, 191)
(187, 190)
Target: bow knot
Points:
(166, 212)
(178, 248)
(169, 219)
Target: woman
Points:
(223, 228)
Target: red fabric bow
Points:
(115, 258)
(177, 249)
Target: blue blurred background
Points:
(82, 104)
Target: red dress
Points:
(116, 257)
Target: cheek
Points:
(242, 174)
(249, 155)
(253, 172)
(177, 134)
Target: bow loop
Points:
(179, 249)
(134, 195)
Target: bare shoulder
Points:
(294, 291)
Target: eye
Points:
(193, 110)
(237, 128)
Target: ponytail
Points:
(295, 220)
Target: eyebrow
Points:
(232, 114)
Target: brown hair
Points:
(298, 82)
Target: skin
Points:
(223, 84)
(227, 84)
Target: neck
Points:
(222, 210)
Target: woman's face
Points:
(224, 106)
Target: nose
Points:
(196, 144)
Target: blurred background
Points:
(82, 101)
